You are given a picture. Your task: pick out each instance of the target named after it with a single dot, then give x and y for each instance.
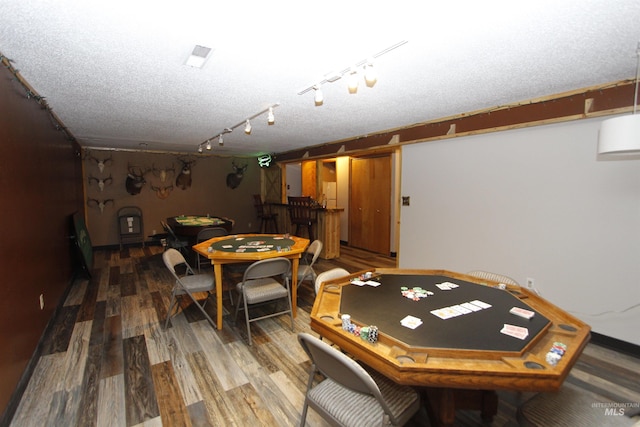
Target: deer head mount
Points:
(183, 180)
(101, 162)
(100, 181)
(163, 173)
(100, 204)
(235, 178)
(162, 192)
(135, 180)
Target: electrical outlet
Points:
(41, 301)
(530, 283)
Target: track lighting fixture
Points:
(370, 77)
(352, 72)
(247, 127)
(318, 98)
(353, 80)
(271, 119)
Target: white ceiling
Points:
(114, 73)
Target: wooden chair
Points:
(350, 395)
(302, 215)
(264, 216)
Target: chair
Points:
(493, 276)
(569, 406)
(260, 286)
(301, 213)
(173, 241)
(325, 276)
(264, 216)
(350, 395)
(206, 234)
(130, 225)
(305, 268)
(187, 284)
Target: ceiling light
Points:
(370, 77)
(198, 56)
(247, 127)
(208, 144)
(353, 80)
(318, 98)
(271, 119)
(220, 141)
(621, 135)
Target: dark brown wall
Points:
(40, 188)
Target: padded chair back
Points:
(173, 257)
(325, 276)
(267, 268)
(210, 233)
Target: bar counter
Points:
(326, 229)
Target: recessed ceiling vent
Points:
(198, 57)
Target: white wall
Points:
(531, 203)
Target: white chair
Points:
(493, 276)
(187, 284)
(305, 268)
(325, 276)
(350, 395)
(259, 285)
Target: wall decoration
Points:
(183, 181)
(100, 204)
(163, 173)
(101, 162)
(100, 181)
(135, 180)
(162, 192)
(235, 178)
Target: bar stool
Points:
(265, 217)
(301, 213)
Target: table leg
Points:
(443, 402)
(294, 286)
(217, 271)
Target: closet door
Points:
(370, 204)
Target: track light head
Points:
(247, 127)
(208, 144)
(352, 82)
(220, 141)
(318, 99)
(271, 119)
(370, 76)
(199, 148)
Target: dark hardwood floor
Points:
(108, 362)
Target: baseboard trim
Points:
(616, 344)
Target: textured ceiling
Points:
(114, 73)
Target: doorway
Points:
(370, 203)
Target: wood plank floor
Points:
(108, 361)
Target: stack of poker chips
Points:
(367, 333)
(555, 354)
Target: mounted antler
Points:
(101, 181)
(101, 162)
(162, 192)
(162, 173)
(100, 204)
(235, 178)
(135, 180)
